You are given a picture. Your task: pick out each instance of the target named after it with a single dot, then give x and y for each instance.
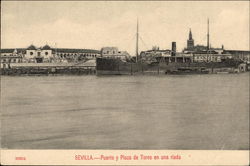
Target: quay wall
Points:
(48, 69)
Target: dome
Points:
(31, 47)
(46, 47)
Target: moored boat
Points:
(188, 70)
(201, 60)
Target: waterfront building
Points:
(39, 55)
(210, 57)
(11, 56)
(154, 53)
(113, 52)
(74, 55)
(201, 53)
(45, 54)
(240, 54)
(165, 55)
(218, 55)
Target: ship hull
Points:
(109, 66)
(112, 66)
(110, 72)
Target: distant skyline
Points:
(92, 25)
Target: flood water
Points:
(125, 112)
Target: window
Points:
(38, 53)
(46, 53)
(31, 53)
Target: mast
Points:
(137, 36)
(208, 34)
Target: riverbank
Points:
(69, 69)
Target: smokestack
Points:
(173, 49)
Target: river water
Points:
(125, 112)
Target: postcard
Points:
(125, 82)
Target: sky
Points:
(93, 25)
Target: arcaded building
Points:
(46, 54)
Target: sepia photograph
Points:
(125, 75)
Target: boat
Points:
(106, 65)
(173, 63)
(112, 66)
(222, 72)
(188, 70)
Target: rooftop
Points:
(72, 50)
(31, 47)
(11, 50)
(46, 47)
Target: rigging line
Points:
(129, 39)
(144, 43)
(129, 45)
(204, 38)
(138, 36)
(131, 36)
(145, 36)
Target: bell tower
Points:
(190, 41)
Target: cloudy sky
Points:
(108, 23)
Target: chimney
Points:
(173, 49)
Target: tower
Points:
(190, 41)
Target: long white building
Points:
(45, 54)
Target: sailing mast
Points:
(137, 36)
(208, 34)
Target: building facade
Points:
(11, 56)
(39, 55)
(201, 53)
(113, 52)
(45, 54)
